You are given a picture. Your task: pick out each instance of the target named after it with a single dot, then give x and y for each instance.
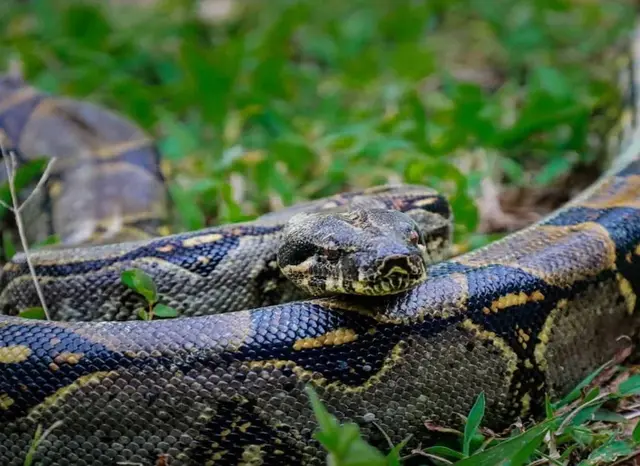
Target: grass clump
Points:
(580, 429)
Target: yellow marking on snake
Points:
(616, 193)
(523, 338)
(200, 240)
(485, 335)
(526, 404)
(530, 252)
(14, 354)
(627, 292)
(515, 299)
(6, 401)
(114, 150)
(62, 394)
(396, 356)
(68, 358)
(539, 352)
(332, 338)
(252, 455)
(165, 248)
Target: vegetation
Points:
(276, 102)
(271, 103)
(578, 430)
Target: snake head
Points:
(368, 252)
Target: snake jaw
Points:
(394, 273)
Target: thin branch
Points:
(11, 165)
(632, 415)
(43, 179)
(415, 453)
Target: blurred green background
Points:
(260, 104)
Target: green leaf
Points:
(582, 436)
(141, 283)
(524, 455)
(575, 393)
(585, 414)
(189, 212)
(512, 169)
(163, 311)
(326, 421)
(48, 241)
(608, 416)
(473, 423)
(181, 139)
(548, 408)
(87, 24)
(503, 453)
(412, 60)
(28, 460)
(354, 451)
(8, 247)
(343, 442)
(552, 81)
(608, 453)
(444, 452)
(33, 313)
(38, 437)
(636, 433)
(629, 387)
(556, 167)
(143, 314)
(393, 458)
(211, 73)
(592, 394)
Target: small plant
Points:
(140, 282)
(33, 313)
(38, 437)
(573, 427)
(344, 443)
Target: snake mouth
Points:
(395, 274)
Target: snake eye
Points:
(332, 254)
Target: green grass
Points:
(289, 100)
(578, 430)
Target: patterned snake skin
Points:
(533, 313)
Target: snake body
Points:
(530, 314)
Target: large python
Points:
(530, 314)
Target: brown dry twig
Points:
(11, 165)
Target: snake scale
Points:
(224, 384)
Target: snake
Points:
(356, 295)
